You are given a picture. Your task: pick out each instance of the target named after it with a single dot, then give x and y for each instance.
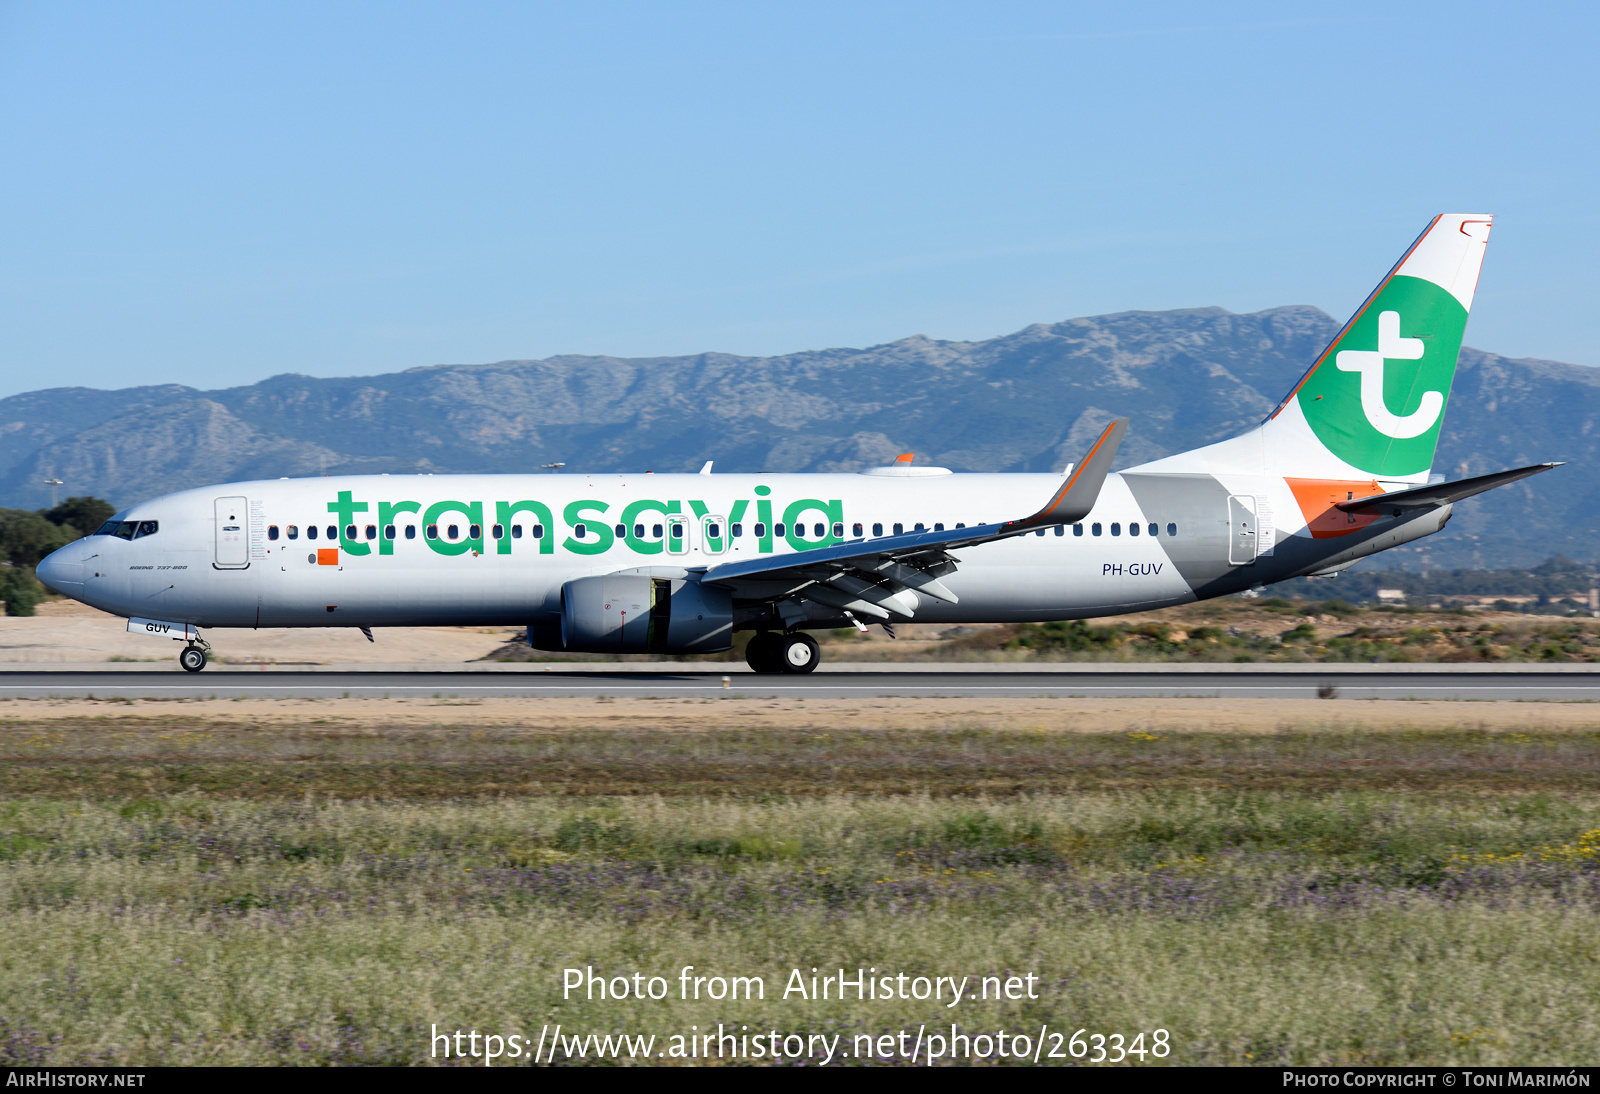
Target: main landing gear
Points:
(793, 653)
(193, 658)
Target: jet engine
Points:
(638, 613)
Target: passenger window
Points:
(677, 531)
(1061, 529)
(899, 529)
(1077, 529)
(877, 529)
(777, 529)
(821, 530)
(579, 531)
(960, 525)
(498, 531)
(333, 532)
(1133, 530)
(714, 531)
(431, 531)
(761, 530)
(838, 531)
(272, 531)
(1116, 528)
(621, 531)
(474, 531)
(311, 531)
(538, 531)
(411, 531)
(938, 527)
(293, 531)
(372, 531)
(855, 530)
(921, 527)
(736, 530)
(388, 531)
(799, 531)
(655, 531)
(1094, 529)
(1172, 530)
(349, 532)
(516, 531)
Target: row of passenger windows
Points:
(390, 531)
(130, 529)
(1116, 529)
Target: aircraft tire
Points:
(798, 653)
(193, 659)
(762, 652)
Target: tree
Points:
(26, 537)
(19, 590)
(84, 514)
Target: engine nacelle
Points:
(637, 613)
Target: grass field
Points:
(180, 888)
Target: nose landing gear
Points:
(791, 654)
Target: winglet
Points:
(1078, 494)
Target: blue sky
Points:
(212, 193)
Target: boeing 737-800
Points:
(677, 564)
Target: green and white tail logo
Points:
(1377, 398)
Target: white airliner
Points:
(676, 564)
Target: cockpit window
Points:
(147, 528)
(109, 528)
(126, 529)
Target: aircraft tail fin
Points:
(1372, 404)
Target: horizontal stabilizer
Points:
(1440, 493)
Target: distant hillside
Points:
(1025, 401)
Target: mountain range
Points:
(1028, 401)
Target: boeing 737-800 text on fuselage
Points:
(676, 564)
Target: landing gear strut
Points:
(793, 653)
(193, 658)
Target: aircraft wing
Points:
(872, 577)
(1440, 492)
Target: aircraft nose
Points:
(61, 571)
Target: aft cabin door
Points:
(233, 543)
(1243, 532)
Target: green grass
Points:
(1307, 897)
(1266, 927)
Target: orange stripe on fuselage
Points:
(1316, 498)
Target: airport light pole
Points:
(52, 482)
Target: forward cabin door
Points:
(1243, 531)
(233, 541)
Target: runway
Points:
(1336, 682)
